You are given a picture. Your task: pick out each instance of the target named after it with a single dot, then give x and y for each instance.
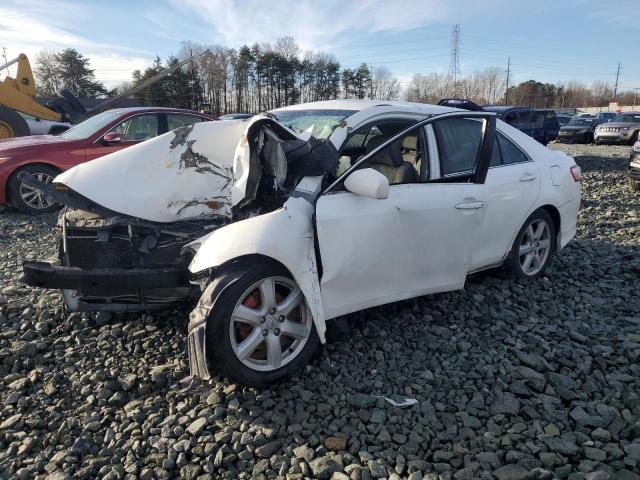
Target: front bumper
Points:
(49, 275)
(613, 137)
(564, 137)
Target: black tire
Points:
(220, 353)
(588, 138)
(72, 100)
(513, 265)
(14, 189)
(12, 124)
(634, 185)
(634, 138)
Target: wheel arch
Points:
(18, 168)
(554, 213)
(284, 236)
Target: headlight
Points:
(624, 129)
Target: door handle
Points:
(528, 177)
(470, 205)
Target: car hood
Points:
(200, 170)
(14, 145)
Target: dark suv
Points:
(540, 124)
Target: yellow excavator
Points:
(18, 96)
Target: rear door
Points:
(418, 240)
(513, 186)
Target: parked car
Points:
(603, 117)
(634, 167)
(542, 125)
(236, 116)
(623, 129)
(563, 119)
(252, 218)
(578, 130)
(45, 156)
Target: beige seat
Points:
(390, 162)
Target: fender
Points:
(285, 235)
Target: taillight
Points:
(576, 173)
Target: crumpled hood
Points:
(199, 170)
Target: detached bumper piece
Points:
(46, 275)
(112, 289)
(196, 350)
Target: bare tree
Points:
(47, 73)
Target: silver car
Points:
(624, 129)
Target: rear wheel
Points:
(532, 248)
(12, 124)
(30, 200)
(260, 328)
(634, 185)
(634, 138)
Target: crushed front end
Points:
(118, 263)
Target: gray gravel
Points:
(539, 380)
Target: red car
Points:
(45, 156)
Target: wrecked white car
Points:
(284, 221)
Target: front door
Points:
(135, 129)
(420, 238)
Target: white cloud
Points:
(315, 24)
(46, 26)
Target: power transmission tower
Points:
(615, 89)
(506, 90)
(454, 62)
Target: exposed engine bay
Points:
(112, 258)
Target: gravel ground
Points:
(539, 380)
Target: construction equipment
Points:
(17, 96)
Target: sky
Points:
(547, 40)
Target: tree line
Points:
(261, 77)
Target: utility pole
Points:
(4, 54)
(506, 91)
(635, 95)
(454, 62)
(615, 89)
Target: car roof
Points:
(504, 108)
(122, 111)
(359, 105)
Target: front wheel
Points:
(27, 199)
(260, 329)
(634, 185)
(531, 252)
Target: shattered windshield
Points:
(90, 126)
(321, 122)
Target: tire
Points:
(520, 266)
(634, 185)
(12, 124)
(225, 336)
(588, 138)
(19, 194)
(634, 138)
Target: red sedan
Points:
(45, 156)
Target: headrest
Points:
(410, 142)
(391, 155)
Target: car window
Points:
(496, 157)
(137, 128)
(458, 141)
(177, 120)
(509, 152)
(400, 161)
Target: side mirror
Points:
(368, 183)
(112, 138)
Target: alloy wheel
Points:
(35, 198)
(535, 247)
(270, 324)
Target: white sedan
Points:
(424, 196)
